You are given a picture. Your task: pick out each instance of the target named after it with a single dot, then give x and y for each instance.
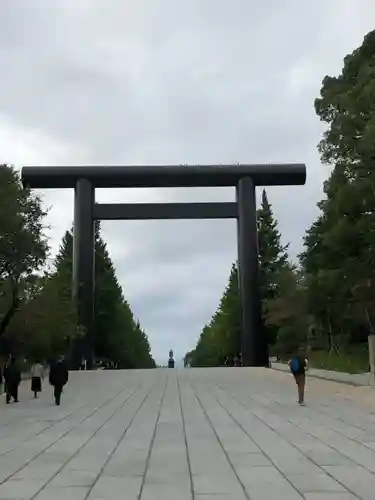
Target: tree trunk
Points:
(12, 309)
(369, 320)
(330, 340)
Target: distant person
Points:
(240, 359)
(37, 375)
(236, 361)
(298, 366)
(12, 377)
(58, 377)
(1, 379)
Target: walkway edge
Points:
(356, 380)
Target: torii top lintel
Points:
(164, 176)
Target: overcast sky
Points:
(170, 82)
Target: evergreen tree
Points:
(117, 336)
(273, 259)
(339, 256)
(221, 338)
(46, 323)
(23, 246)
(287, 313)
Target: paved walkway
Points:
(214, 434)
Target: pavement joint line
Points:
(243, 419)
(343, 421)
(120, 440)
(139, 496)
(48, 427)
(331, 428)
(13, 420)
(247, 496)
(282, 437)
(66, 433)
(320, 440)
(185, 439)
(10, 422)
(320, 413)
(134, 393)
(58, 421)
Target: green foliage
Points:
(339, 253)
(23, 246)
(189, 358)
(346, 103)
(352, 360)
(221, 337)
(287, 313)
(117, 335)
(46, 322)
(273, 259)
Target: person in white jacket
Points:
(37, 375)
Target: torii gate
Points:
(84, 180)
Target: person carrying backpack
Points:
(298, 366)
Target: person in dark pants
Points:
(58, 377)
(298, 366)
(12, 377)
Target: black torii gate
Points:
(84, 180)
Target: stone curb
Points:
(356, 380)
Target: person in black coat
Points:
(58, 377)
(12, 377)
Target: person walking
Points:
(37, 375)
(58, 378)
(12, 377)
(298, 366)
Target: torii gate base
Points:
(244, 177)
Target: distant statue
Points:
(170, 360)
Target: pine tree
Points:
(222, 337)
(46, 323)
(117, 336)
(339, 256)
(287, 312)
(273, 259)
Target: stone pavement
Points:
(203, 434)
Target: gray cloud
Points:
(172, 82)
